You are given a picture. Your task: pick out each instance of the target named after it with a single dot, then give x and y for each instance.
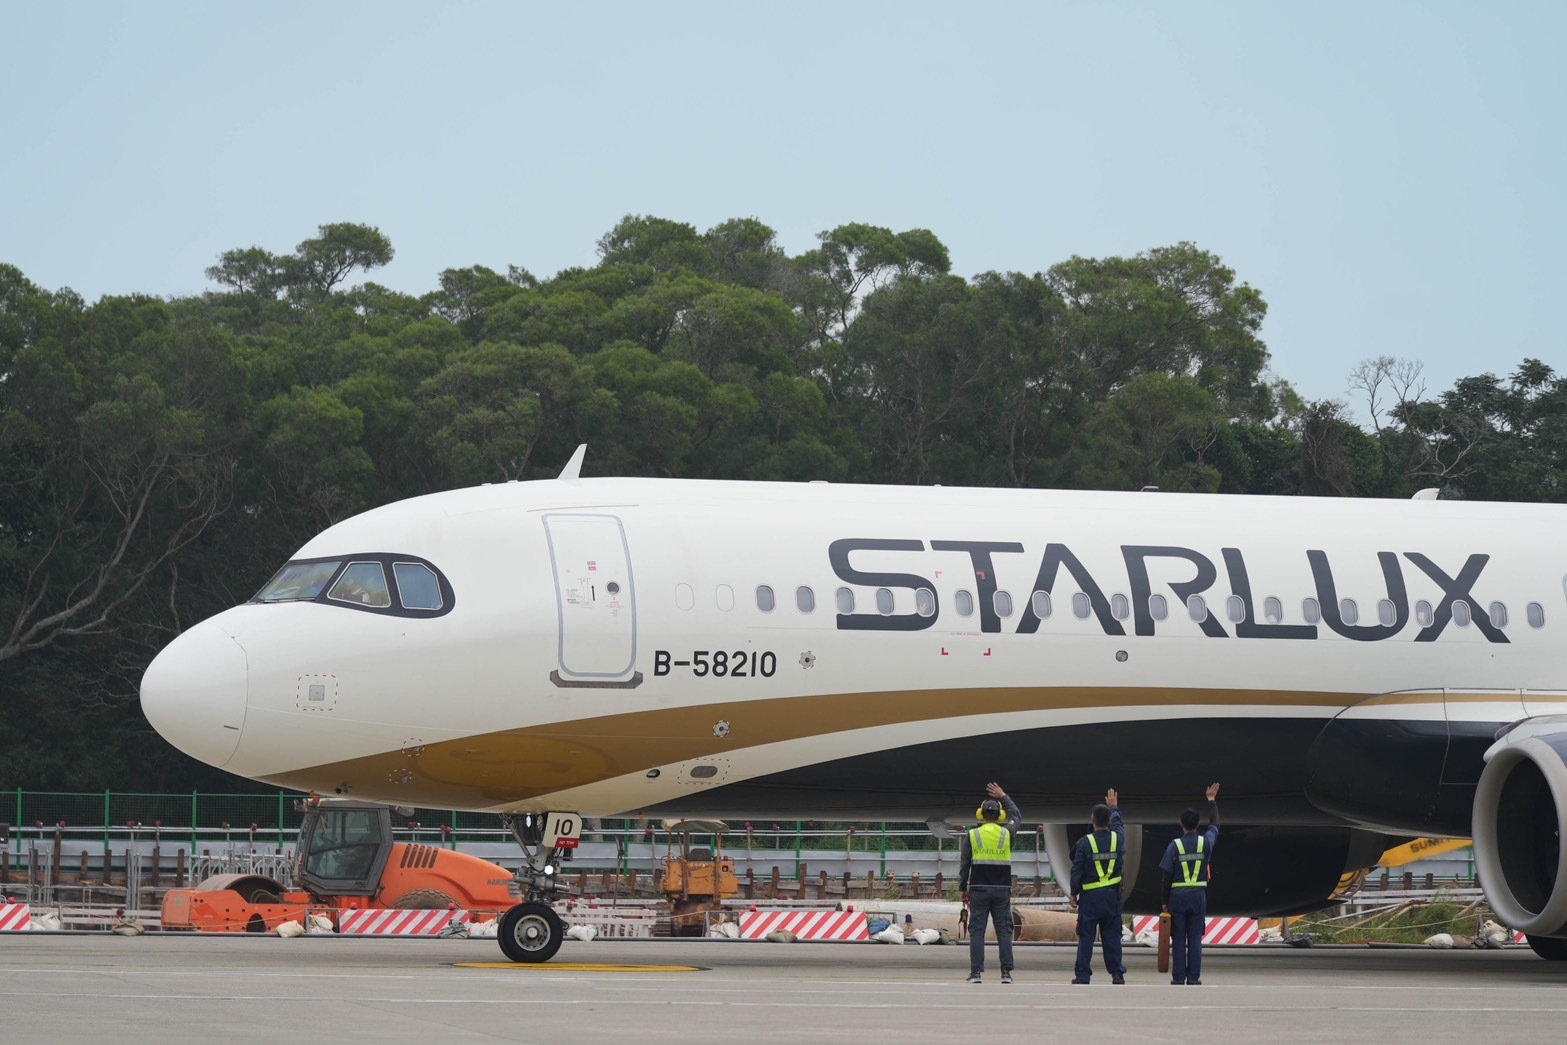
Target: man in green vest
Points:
(985, 878)
(1184, 878)
(1096, 890)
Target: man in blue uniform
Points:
(1096, 890)
(1184, 879)
(985, 878)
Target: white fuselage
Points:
(609, 646)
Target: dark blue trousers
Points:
(1099, 913)
(982, 905)
(1188, 920)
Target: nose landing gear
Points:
(531, 931)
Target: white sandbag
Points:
(891, 934)
(924, 936)
(585, 933)
(489, 928)
(1442, 940)
(319, 925)
(289, 928)
(47, 922)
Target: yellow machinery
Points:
(695, 879)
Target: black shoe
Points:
(973, 977)
(1118, 979)
(1078, 980)
(1006, 976)
(1194, 983)
(1177, 983)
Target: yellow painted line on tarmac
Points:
(575, 967)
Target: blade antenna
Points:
(573, 469)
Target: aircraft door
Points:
(596, 600)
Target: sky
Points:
(1389, 175)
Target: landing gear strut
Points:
(531, 931)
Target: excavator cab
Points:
(343, 848)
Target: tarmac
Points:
(188, 988)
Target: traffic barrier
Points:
(1217, 931)
(630, 924)
(15, 917)
(374, 922)
(806, 925)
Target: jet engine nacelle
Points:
(1520, 813)
(1258, 872)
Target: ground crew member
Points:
(1096, 890)
(985, 879)
(1184, 880)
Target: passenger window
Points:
(804, 599)
(1462, 614)
(764, 598)
(1235, 609)
(1197, 609)
(1498, 615)
(1120, 607)
(965, 604)
(1387, 614)
(1003, 604)
(884, 601)
(1273, 610)
(1536, 614)
(1423, 614)
(1348, 612)
(417, 588)
(845, 600)
(1158, 607)
(363, 584)
(924, 602)
(724, 596)
(685, 598)
(1310, 612)
(1041, 604)
(1080, 605)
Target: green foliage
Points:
(159, 458)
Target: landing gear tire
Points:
(1548, 947)
(531, 932)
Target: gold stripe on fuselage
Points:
(516, 765)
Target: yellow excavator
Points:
(1398, 856)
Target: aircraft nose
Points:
(194, 693)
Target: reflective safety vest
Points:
(990, 843)
(1192, 867)
(1106, 865)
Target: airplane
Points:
(1357, 673)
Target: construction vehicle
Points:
(698, 879)
(1398, 856)
(345, 859)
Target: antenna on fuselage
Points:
(573, 469)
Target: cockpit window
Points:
(416, 586)
(392, 583)
(363, 583)
(298, 582)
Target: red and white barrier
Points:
(1217, 931)
(15, 917)
(807, 925)
(372, 922)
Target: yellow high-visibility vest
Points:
(990, 843)
(1106, 865)
(1192, 867)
